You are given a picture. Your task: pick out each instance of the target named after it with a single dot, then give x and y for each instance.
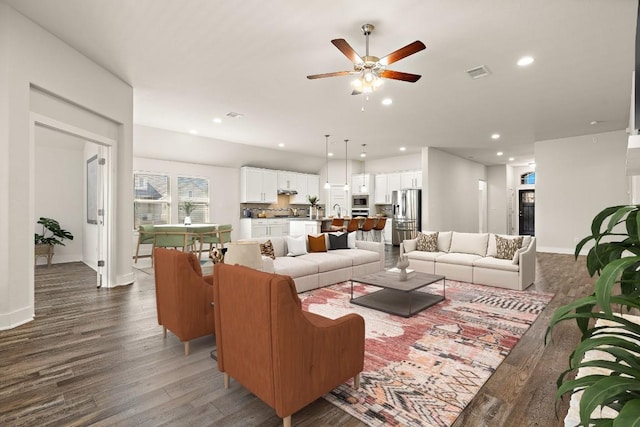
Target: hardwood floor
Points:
(97, 357)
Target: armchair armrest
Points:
(527, 261)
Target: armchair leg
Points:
(164, 332)
(226, 380)
(186, 348)
(356, 381)
(286, 421)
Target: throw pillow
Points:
(427, 242)
(317, 243)
(338, 241)
(351, 240)
(506, 248)
(266, 249)
(296, 245)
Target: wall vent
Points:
(477, 72)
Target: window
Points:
(528, 178)
(151, 199)
(196, 191)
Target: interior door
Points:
(526, 216)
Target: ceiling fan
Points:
(371, 69)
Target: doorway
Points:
(526, 212)
(482, 206)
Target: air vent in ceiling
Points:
(234, 115)
(477, 72)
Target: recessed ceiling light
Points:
(403, 148)
(525, 60)
(217, 120)
(330, 154)
(511, 159)
(593, 122)
(281, 145)
(495, 136)
(387, 101)
(193, 132)
(499, 153)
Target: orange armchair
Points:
(183, 295)
(285, 356)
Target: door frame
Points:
(107, 149)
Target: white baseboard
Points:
(16, 318)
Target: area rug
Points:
(424, 370)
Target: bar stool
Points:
(337, 224)
(379, 228)
(367, 226)
(353, 225)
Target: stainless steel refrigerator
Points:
(407, 212)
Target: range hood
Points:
(286, 191)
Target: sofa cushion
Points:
(296, 245)
(266, 249)
(506, 248)
(444, 239)
(491, 247)
(317, 243)
(427, 242)
(458, 258)
(410, 245)
(338, 241)
(359, 256)
(496, 264)
(327, 261)
(469, 243)
(294, 266)
(424, 256)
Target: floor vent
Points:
(477, 72)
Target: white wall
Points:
(497, 187)
(30, 56)
(575, 179)
(59, 186)
(450, 197)
(394, 164)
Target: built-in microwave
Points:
(360, 201)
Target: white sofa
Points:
(318, 269)
(472, 257)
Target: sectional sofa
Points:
(473, 258)
(312, 270)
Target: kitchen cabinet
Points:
(411, 179)
(300, 227)
(385, 184)
(251, 228)
(258, 185)
(306, 184)
(287, 180)
(358, 180)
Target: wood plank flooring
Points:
(97, 357)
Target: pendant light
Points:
(346, 182)
(363, 187)
(327, 186)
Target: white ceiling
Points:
(191, 61)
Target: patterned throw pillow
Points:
(266, 249)
(506, 248)
(427, 242)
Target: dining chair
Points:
(145, 237)
(379, 229)
(173, 237)
(219, 238)
(367, 226)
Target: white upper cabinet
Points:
(358, 180)
(385, 184)
(287, 180)
(411, 179)
(306, 184)
(258, 185)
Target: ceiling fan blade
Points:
(337, 73)
(347, 50)
(403, 52)
(399, 75)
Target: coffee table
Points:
(396, 297)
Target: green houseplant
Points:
(52, 234)
(615, 257)
(188, 207)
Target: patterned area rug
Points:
(423, 371)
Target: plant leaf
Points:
(608, 278)
(617, 216)
(629, 415)
(603, 392)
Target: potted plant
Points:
(188, 207)
(314, 201)
(615, 256)
(52, 234)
